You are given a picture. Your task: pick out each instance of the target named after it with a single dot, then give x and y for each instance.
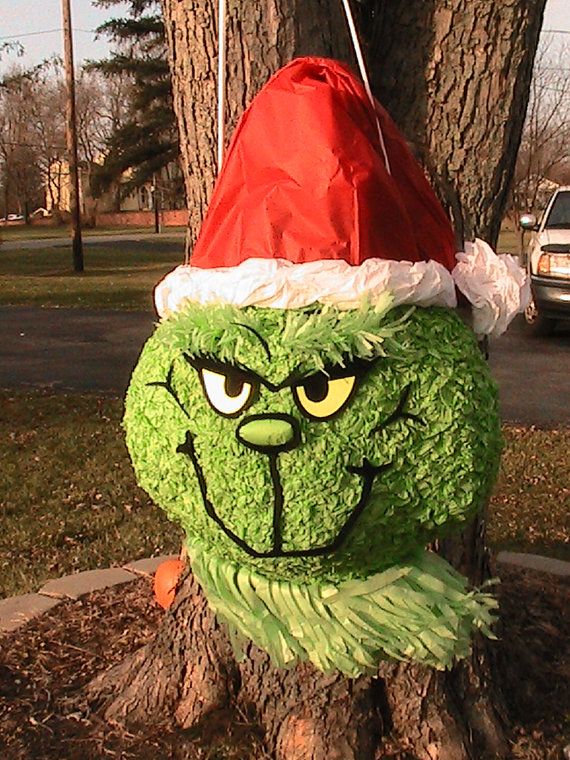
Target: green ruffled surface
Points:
(420, 612)
(441, 459)
(311, 337)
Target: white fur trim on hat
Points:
(495, 285)
(281, 284)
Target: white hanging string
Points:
(221, 79)
(364, 74)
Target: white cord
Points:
(221, 79)
(364, 74)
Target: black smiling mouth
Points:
(367, 472)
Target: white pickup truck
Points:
(549, 264)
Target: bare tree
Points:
(21, 179)
(544, 155)
(47, 109)
(32, 130)
(102, 106)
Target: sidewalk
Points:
(16, 611)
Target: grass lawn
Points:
(530, 509)
(509, 241)
(118, 275)
(68, 497)
(69, 501)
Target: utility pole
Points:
(71, 139)
(156, 203)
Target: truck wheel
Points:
(536, 323)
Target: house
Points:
(57, 187)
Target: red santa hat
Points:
(321, 201)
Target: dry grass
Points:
(530, 509)
(68, 496)
(40, 232)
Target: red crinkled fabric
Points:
(304, 179)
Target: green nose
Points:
(270, 433)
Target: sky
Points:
(26, 17)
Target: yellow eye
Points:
(229, 394)
(320, 397)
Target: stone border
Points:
(16, 611)
(535, 562)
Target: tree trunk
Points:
(261, 37)
(190, 672)
(455, 75)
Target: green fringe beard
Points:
(421, 612)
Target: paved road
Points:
(62, 242)
(533, 375)
(71, 349)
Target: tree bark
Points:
(261, 37)
(189, 672)
(455, 75)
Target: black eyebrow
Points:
(345, 368)
(216, 365)
(357, 367)
(261, 339)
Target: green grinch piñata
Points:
(314, 423)
(309, 454)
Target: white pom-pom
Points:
(496, 286)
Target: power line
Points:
(43, 31)
(556, 31)
(29, 34)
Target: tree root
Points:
(187, 671)
(190, 672)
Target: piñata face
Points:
(313, 444)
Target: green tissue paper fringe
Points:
(420, 612)
(443, 456)
(319, 336)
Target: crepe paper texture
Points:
(277, 283)
(304, 211)
(304, 179)
(497, 287)
(308, 338)
(420, 611)
(411, 457)
(310, 409)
